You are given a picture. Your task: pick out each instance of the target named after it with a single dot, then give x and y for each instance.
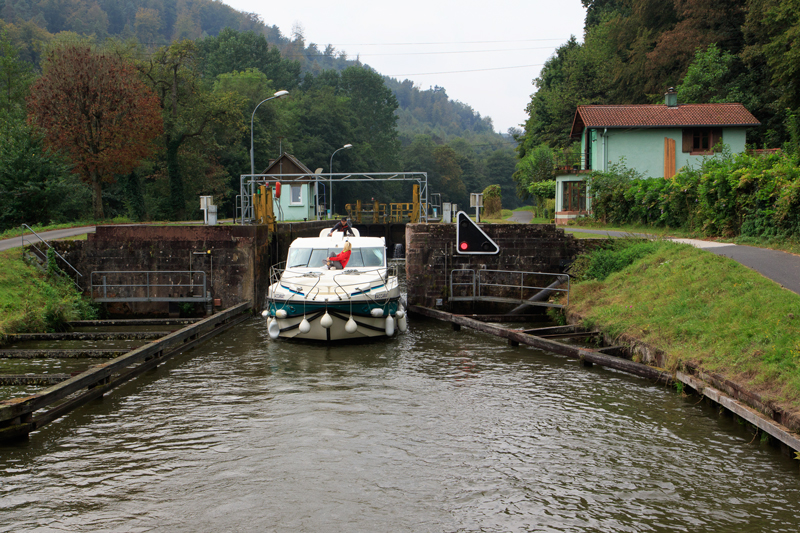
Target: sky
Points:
(485, 54)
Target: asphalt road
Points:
(16, 242)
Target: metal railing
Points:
(43, 255)
(149, 286)
(497, 286)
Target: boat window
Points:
(355, 259)
(359, 257)
(372, 257)
(298, 257)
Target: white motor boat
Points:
(305, 300)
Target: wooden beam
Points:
(567, 350)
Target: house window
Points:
(574, 198)
(297, 195)
(701, 141)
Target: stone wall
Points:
(431, 255)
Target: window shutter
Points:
(716, 136)
(688, 139)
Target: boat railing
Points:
(385, 273)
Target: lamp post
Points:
(330, 175)
(279, 94)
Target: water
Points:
(428, 431)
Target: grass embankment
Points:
(700, 308)
(32, 301)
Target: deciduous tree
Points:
(95, 108)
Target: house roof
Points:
(661, 116)
(291, 165)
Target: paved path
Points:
(16, 242)
(521, 217)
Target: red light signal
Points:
(471, 239)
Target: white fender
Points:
(402, 322)
(274, 329)
(304, 326)
(265, 313)
(377, 312)
(389, 326)
(326, 321)
(280, 313)
(351, 326)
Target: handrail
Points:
(104, 286)
(471, 283)
(480, 284)
(521, 285)
(54, 250)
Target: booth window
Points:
(297, 194)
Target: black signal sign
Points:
(470, 239)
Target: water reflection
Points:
(428, 431)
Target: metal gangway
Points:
(249, 185)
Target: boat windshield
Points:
(315, 257)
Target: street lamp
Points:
(330, 175)
(279, 94)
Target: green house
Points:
(656, 140)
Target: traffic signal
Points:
(470, 239)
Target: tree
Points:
(374, 107)
(95, 108)
(500, 170)
(15, 76)
(446, 175)
(537, 166)
(190, 111)
(35, 183)
(710, 78)
(239, 51)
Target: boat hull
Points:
(366, 324)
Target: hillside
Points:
(158, 23)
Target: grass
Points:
(709, 310)
(32, 302)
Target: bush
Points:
(729, 195)
(492, 201)
(613, 257)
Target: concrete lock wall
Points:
(431, 255)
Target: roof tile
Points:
(661, 116)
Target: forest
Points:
(185, 78)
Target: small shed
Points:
(297, 199)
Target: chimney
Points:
(671, 97)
